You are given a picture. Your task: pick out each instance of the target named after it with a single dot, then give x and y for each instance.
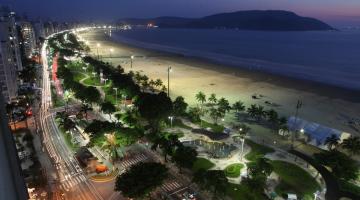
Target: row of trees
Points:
(351, 144)
(146, 83)
(217, 108)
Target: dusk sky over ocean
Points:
(334, 12)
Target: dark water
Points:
(329, 57)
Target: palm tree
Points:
(215, 114)
(260, 113)
(252, 110)
(152, 85)
(137, 77)
(212, 99)
(332, 141)
(111, 146)
(223, 105)
(238, 107)
(352, 145)
(200, 97)
(158, 83)
(272, 117)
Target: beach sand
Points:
(323, 104)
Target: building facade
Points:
(10, 58)
(28, 38)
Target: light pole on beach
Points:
(97, 50)
(131, 61)
(168, 71)
(111, 50)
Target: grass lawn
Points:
(93, 81)
(202, 163)
(179, 123)
(179, 134)
(68, 139)
(242, 192)
(78, 76)
(214, 127)
(294, 179)
(257, 150)
(350, 187)
(233, 170)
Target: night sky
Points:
(335, 12)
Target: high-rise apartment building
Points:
(10, 58)
(28, 38)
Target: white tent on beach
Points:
(315, 133)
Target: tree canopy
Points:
(141, 179)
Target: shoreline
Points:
(321, 88)
(325, 104)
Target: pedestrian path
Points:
(70, 181)
(171, 186)
(133, 160)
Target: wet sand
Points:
(328, 105)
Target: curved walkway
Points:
(333, 191)
(99, 88)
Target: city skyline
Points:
(334, 12)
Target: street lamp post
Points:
(168, 70)
(115, 95)
(97, 50)
(171, 118)
(111, 50)
(131, 61)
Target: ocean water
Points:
(328, 57)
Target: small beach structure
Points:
(314, 133)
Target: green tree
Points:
(185, 157)
(112, 146)
(212, 98)
(352, 145)
(130, 118)
(224, 105)
(195, 114)
(201, 98)
(212, 180)
(154, 108)
(238, 106)
(92, 95)
(167, 144)
(215, 114)
(180, 106)
(141, 179)
(332, 141)
(341, 165)
(108, 108)
(158, 83)
(272, 117)
(66, 123)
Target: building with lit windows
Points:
(10, 59)
(28, 38)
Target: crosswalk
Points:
(68, 183)
(171, 186)
(132, 161)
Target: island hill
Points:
(268, 20)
